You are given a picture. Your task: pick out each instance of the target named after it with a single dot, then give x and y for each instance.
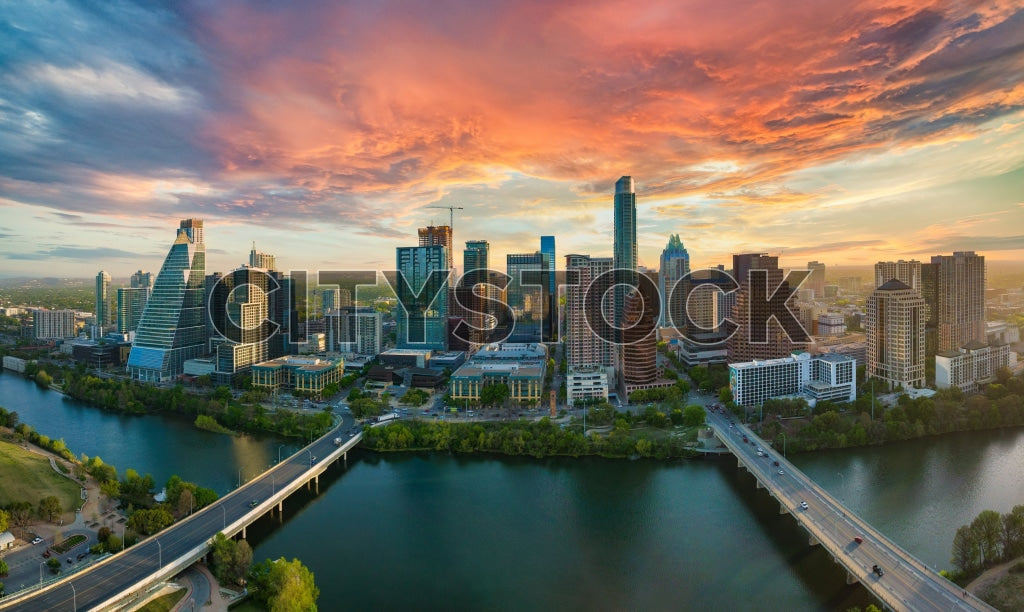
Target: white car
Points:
(781, 472)
(803, 505)
(36, 540)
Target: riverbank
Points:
(1001, 586)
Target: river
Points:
(438, 531)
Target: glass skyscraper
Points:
(103, 314)
(173, 326)
(624, 253)
(422, 319)
(675, 264)
(547, 248)
(526, 301)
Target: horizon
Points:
(837, 133)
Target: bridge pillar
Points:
(813, 541)
(851, 579)
(243, 532)
(317, 480)
(344, 456)
(759, 485)
(783, 509)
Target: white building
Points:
(586, 382)
(53, 324)
(831, 324)
(972, 366)
(817, 377)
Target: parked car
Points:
(82, 556)
(36, 540)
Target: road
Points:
(906, 583)
(120, 572)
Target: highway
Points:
(136, 565)
(906, 583)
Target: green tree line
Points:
(989, 539)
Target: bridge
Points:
(122, 579)
(905, 584)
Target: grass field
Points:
(164, 602)
(26, 476)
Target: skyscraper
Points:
(471, 304)
(589, 339)
(895, 334)
(131, 303)
(142, 279)
(173, 327)
(103, 314)
(907, 272)
(740, 344)
(957, 304)
(624, 247)
(675, 264)
(547, 248)
(639, 350)
(526, 301)
(425, 323)
(816, 280)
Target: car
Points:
(36, 540)
(858, 539)
(878, 570)
(803, 505)
(70, 560)
(775, 463)
(312, 460)
(46, 554)
(254, 503)
(781, 472)
(82, 555)
(760, 450)
(760, 454)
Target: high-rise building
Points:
(261, 260)
(131, 303)
(907, 272)
(173, 327)
(589, 337)
(142, 279)
(103, 315)
(640, 338)
(675, 265)
(470, 304)
(424, 325)
(745, 312)
(243, 331)
(52, 324)
(438, 235)
(816, 280)
(895, 334)
(526, 301)
(955, 295)
(547, 248)
(624, 247)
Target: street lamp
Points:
(160, 552)
(41, 573)
(239, 478)
(842, 495)
(74, 596)
(783, 434)
(225, 515)
(279, 447)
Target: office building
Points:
(354, 330)
(907, 272)
(53, 324)
(639, 350)
(305, 374)
(777, 343)
(895, 335)
(675, 265)
(586, 383)
(243, 329)
(831, 324)
(104, 316)
(141, 279)
(470, 305)
(973, 366)
(173, 323)
(423, 297)
(131, 303)
(525, 300)
(547, 248)
(624, 245)
(520, 366)
(815, 377)
(816, 279)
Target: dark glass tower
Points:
(624, 253)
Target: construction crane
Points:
(451, 214)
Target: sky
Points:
(839, 131)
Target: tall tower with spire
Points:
(675, 264)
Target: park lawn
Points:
(26, 476)
(164, 602)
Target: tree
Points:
(285, 586)
(1013, 532)
(965, 550)
(988, 528)
(50, 508)
(693, 415)
(150, 521)
(53, 564)
(5, 520)
(3, 567)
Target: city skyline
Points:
(844, 134)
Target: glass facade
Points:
(173, 325)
